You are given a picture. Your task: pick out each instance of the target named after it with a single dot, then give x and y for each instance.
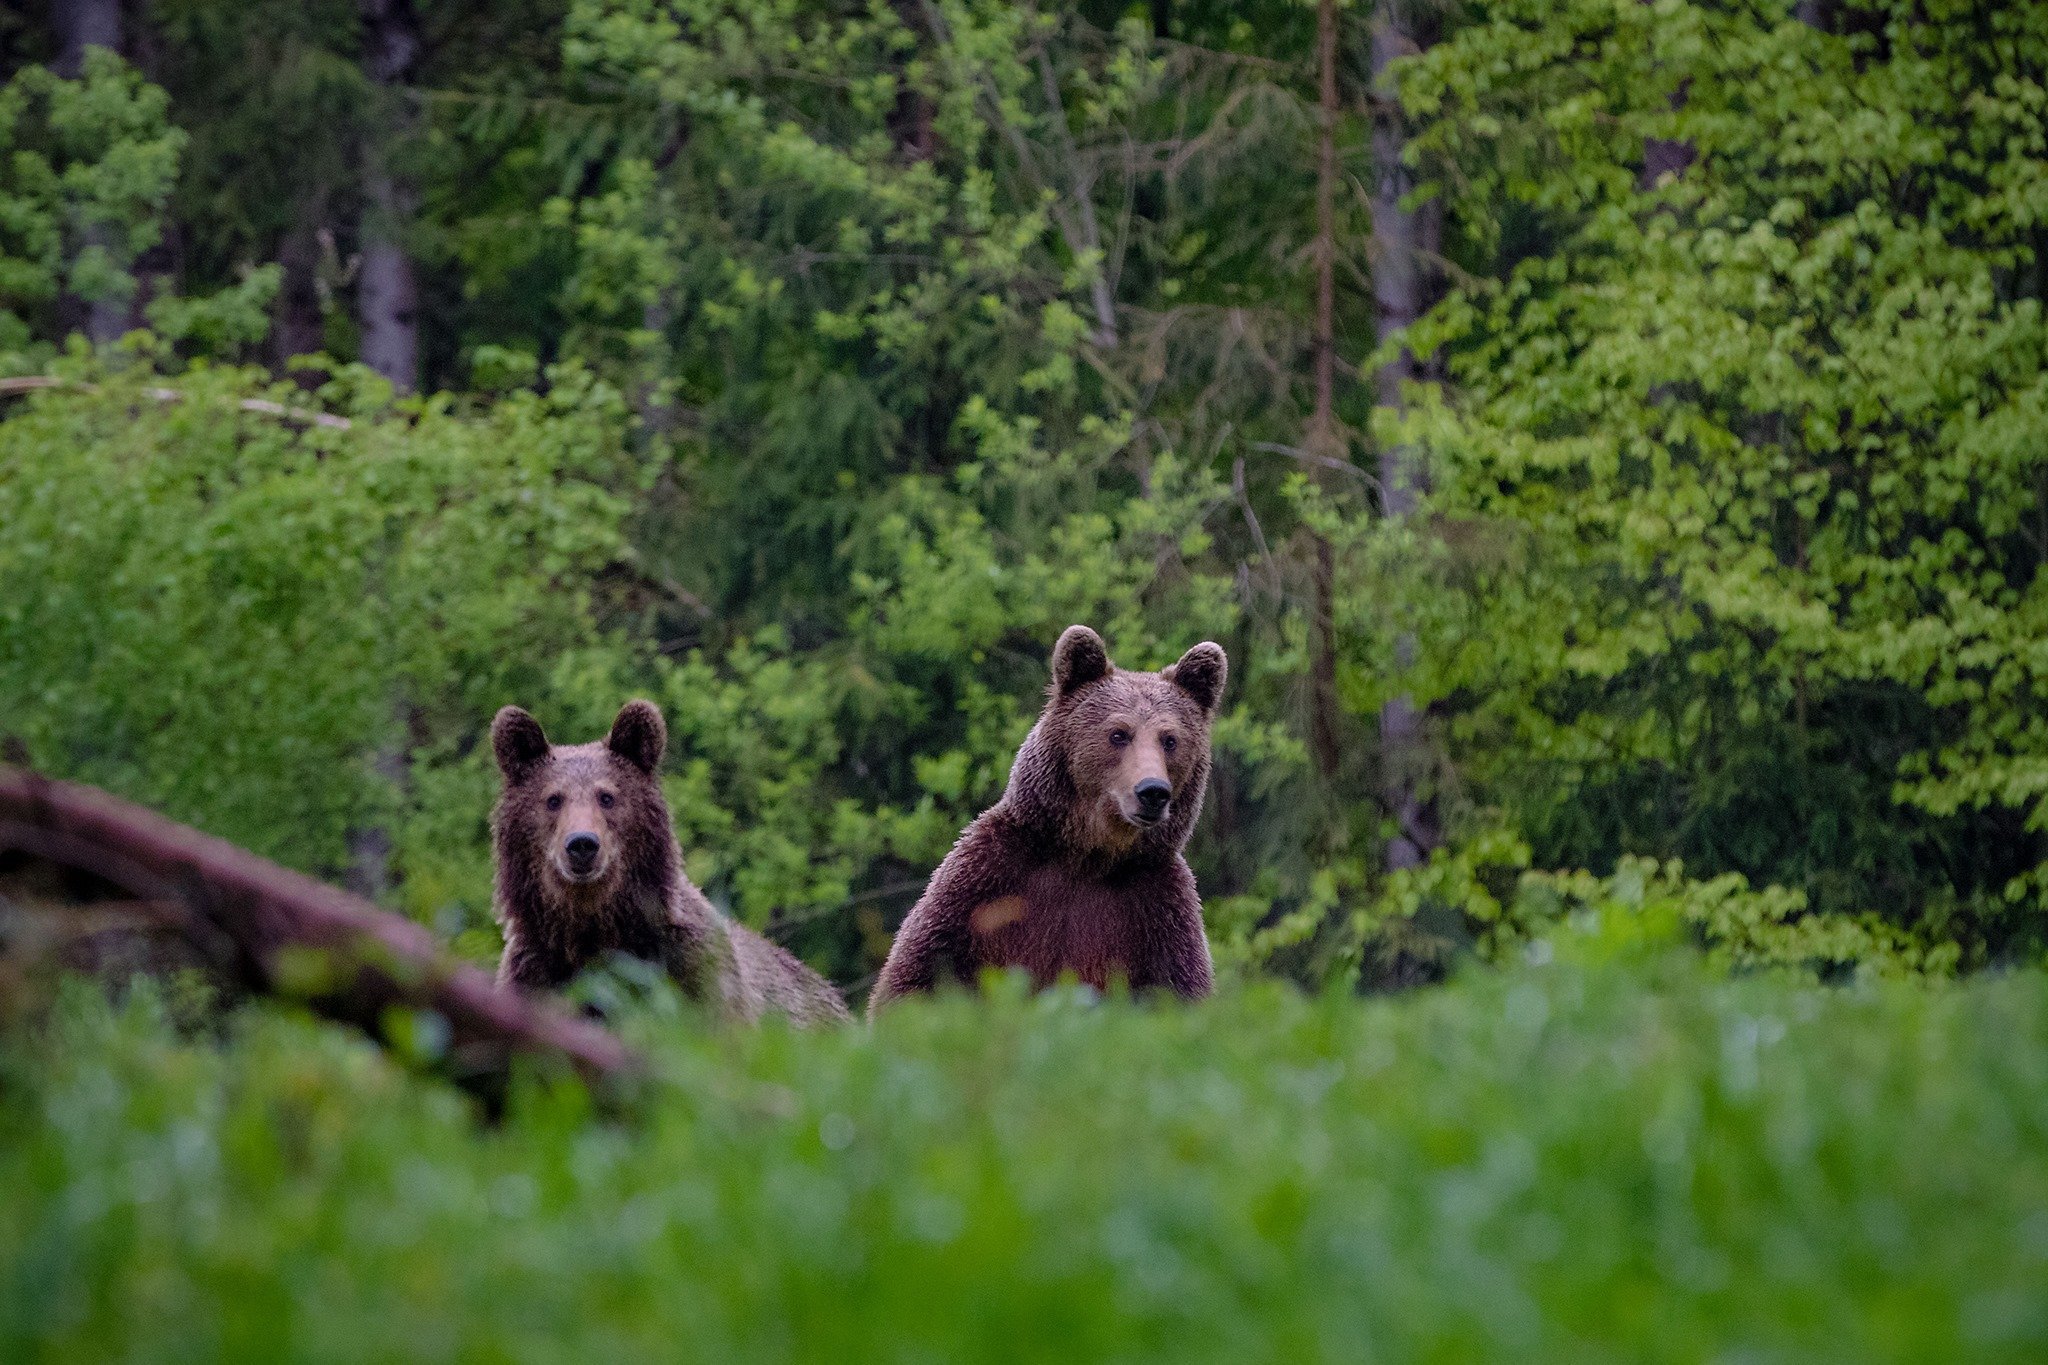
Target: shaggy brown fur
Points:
(1078, 868)
(588, 864)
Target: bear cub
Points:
(587, 864)
(1078, 867)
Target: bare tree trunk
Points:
(1407, 240)
(82, 24)
(387, 289)
(387, 286)
(1324, 740)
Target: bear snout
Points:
(1153, 795)
(580, 852)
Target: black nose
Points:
(581, 848)
(1152, 796)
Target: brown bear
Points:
(588, 864)
(1078, 867)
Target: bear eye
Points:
(605, 799)
(1119, 737)
(555, 801)
(1168, 743)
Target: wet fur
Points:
(1051, 878)
(645, 905)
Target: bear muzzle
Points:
(1150, 799)
(582, 859)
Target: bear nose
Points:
(581, 848)
(1152, 797)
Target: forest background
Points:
(1606, 437)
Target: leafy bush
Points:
(1739, 475)
(230, 615)
(1555, 1162)
(85, 169)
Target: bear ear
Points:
(1078, 658)
(639, 735)
(1200, 674)
(520, 743)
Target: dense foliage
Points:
(807, 367)
(1549, 1163)
(1751, 464)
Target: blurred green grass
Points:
(1558, 1162)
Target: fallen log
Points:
(31, 383)
(277, 931)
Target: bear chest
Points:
(1060, 923)
(578, 937)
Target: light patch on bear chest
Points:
(991, 916)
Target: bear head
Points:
(1133, 747)
(579, 821)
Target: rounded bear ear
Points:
(639, 735)
(1080, 657)
(519, 742)
(1200, 674)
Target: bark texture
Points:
(387, 285)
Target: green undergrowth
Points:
(1561, 1161)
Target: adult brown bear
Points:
(588, 865)
(1078, 867)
